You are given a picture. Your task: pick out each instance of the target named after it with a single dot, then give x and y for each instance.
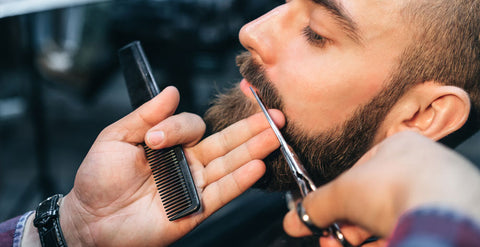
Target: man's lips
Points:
(245, 87)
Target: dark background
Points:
(60, 85)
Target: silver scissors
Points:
(305, 183)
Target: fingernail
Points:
(156, 138)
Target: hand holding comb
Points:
(169, 166)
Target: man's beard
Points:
(325, 155)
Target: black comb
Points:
(169, 166)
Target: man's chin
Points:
(269, 185)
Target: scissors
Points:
(304, 181)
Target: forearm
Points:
(433, 226)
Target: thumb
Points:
(133, 127)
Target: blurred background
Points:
(60, 85)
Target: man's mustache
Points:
(255, 74)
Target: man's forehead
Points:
(349, 8)
(363, 18)
(334, 7)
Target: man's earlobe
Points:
(430, 109)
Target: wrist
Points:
(30, 233)
(47, 222)
(75, 228)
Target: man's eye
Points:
(313, 37)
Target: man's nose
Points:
(261, 36)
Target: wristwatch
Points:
(47, 221)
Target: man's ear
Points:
(431, 109)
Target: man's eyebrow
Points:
(346, 22)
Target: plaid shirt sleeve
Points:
(11, 231)
(435, 228)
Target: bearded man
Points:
(348, 74)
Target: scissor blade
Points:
(302, 178)
(269, 119)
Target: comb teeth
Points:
(174, 181)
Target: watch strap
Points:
(47, 221)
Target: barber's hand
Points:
(114, 201)
(405, 172)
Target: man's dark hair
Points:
(445, 48)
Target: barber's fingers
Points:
(258, 147)
(233, 136)
(321, 205)
(355, 235)
(184, 128)
(220, 192)
(133, 127)
(293, 226)
(324, 215)
(344, 199)
(331, 241)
